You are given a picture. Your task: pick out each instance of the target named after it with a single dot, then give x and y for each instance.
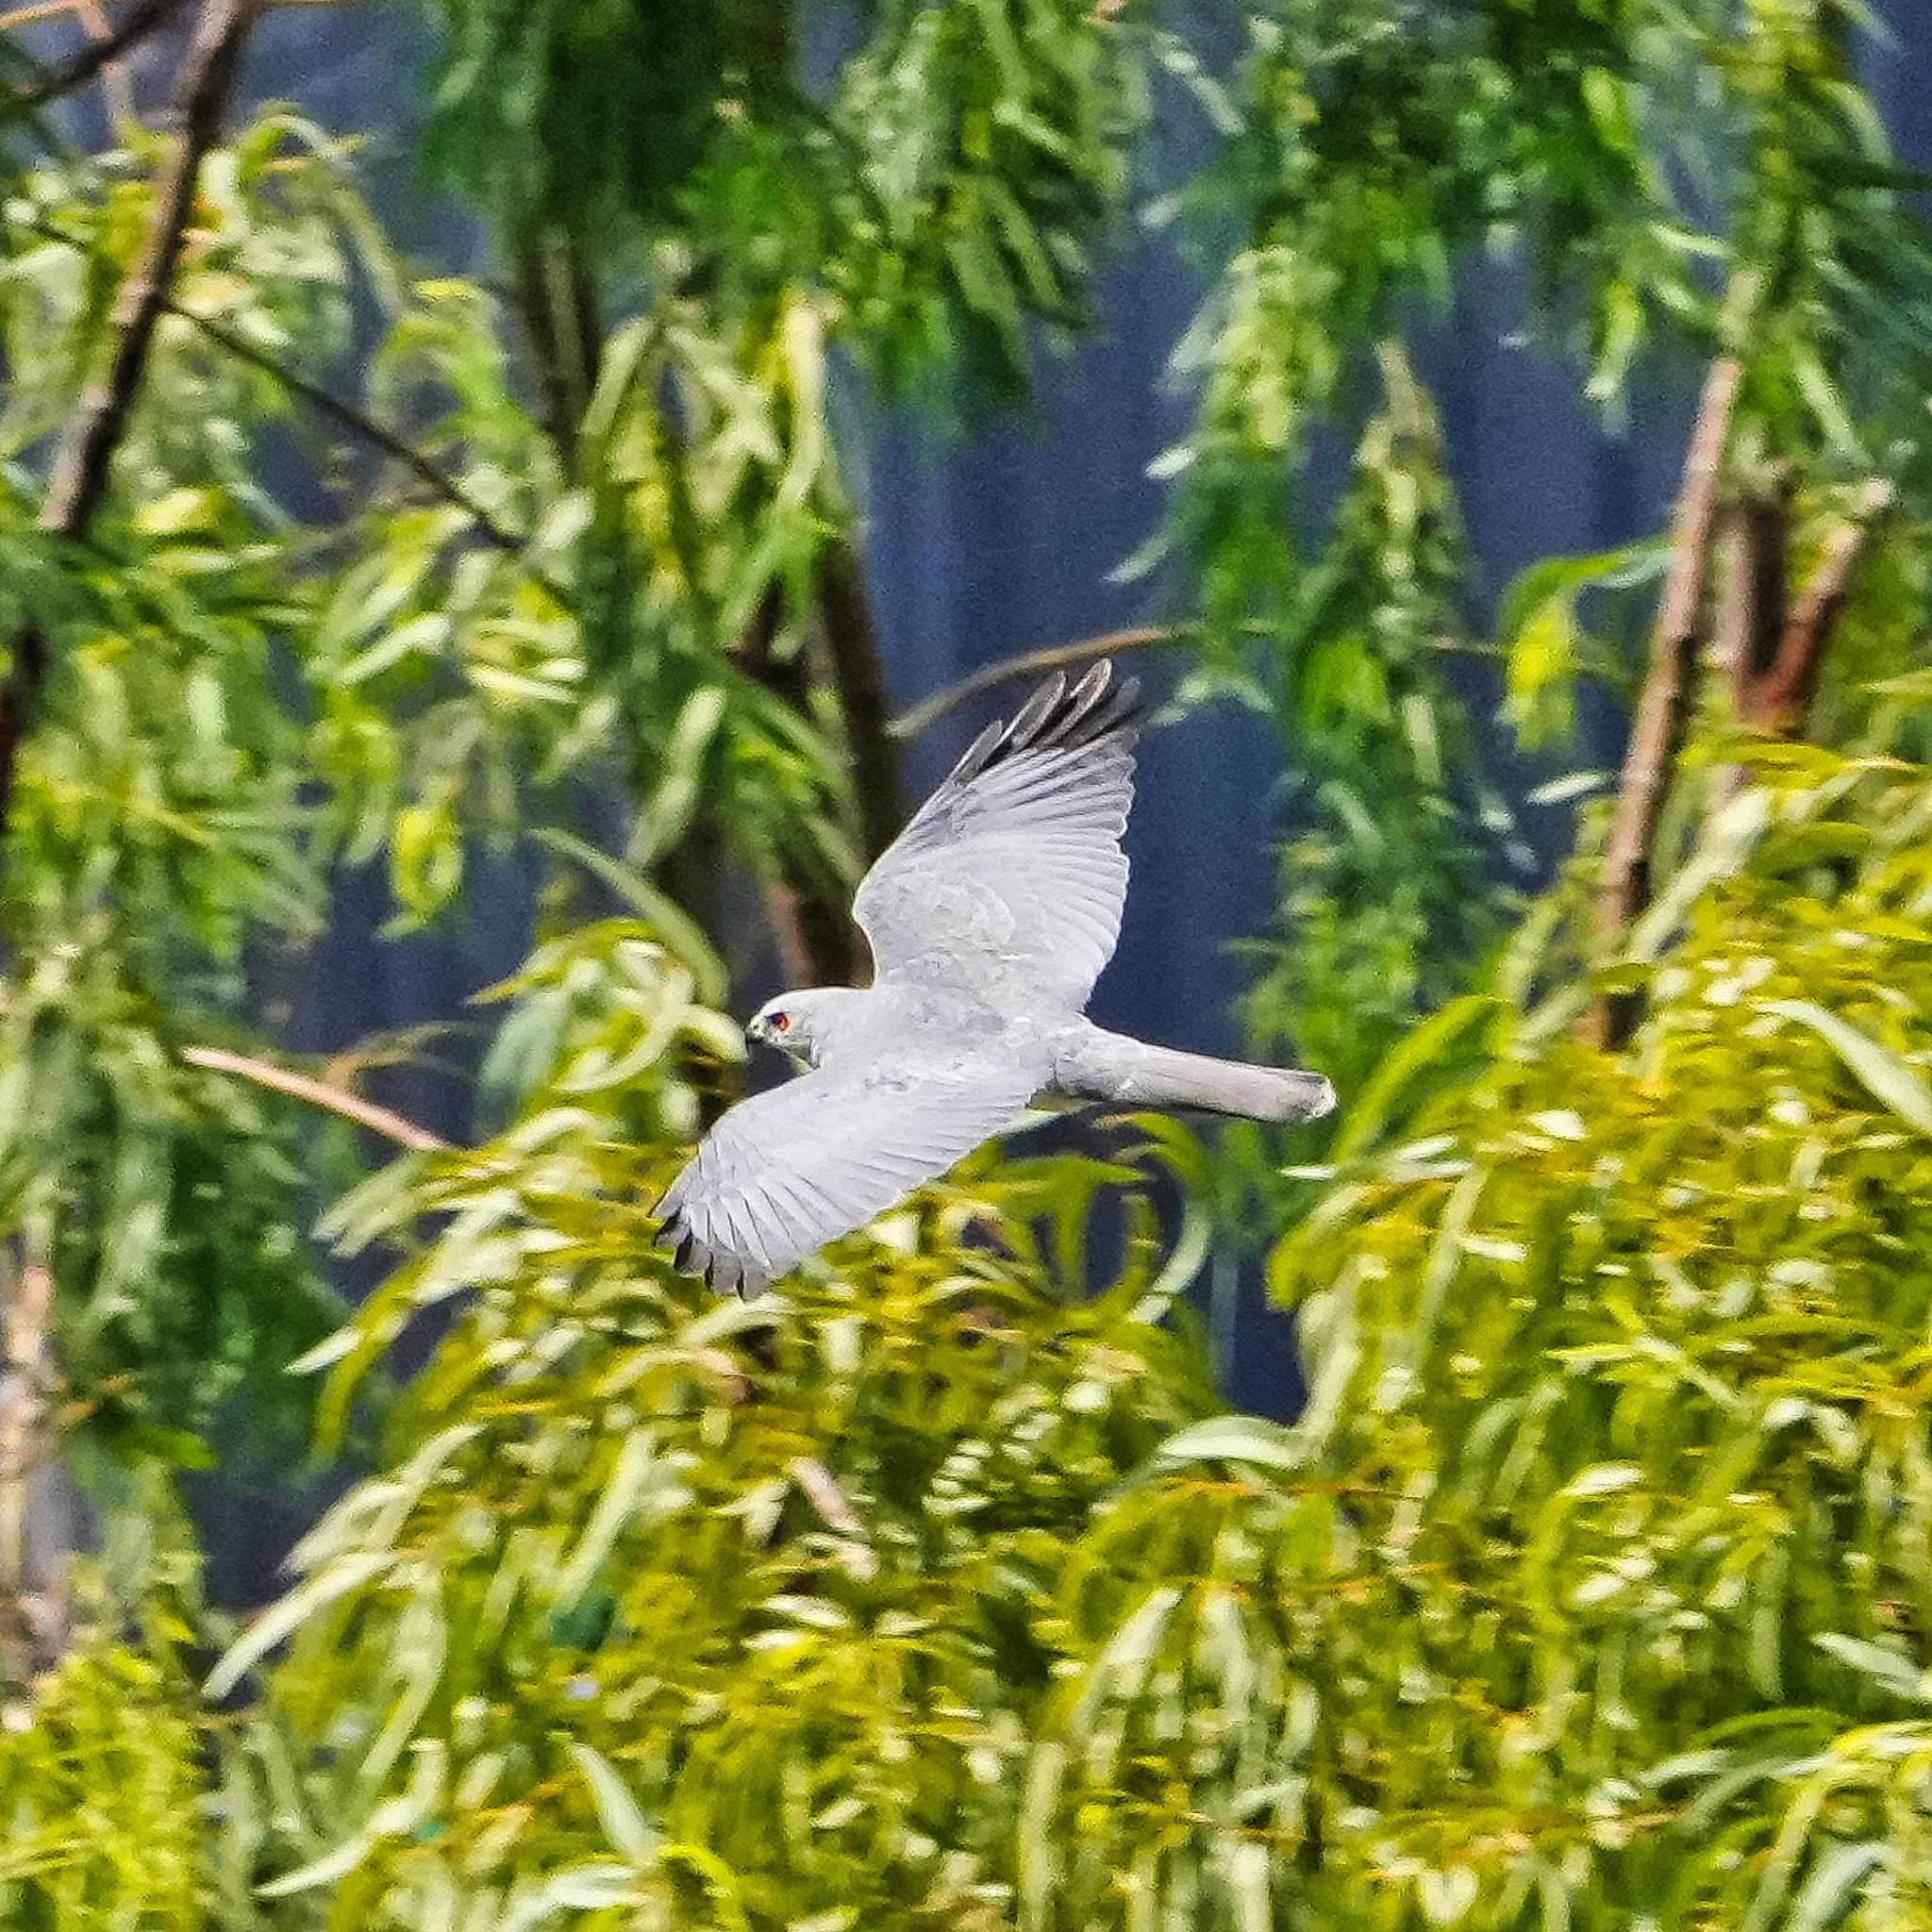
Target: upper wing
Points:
(1015, 862)
(785, 1172)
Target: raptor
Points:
(990, 918)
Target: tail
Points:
(1098, 1065)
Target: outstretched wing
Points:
(785, 1171)
(1013, 867)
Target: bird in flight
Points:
(990, 918)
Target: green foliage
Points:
(103, 1759)
(699, 1607)
(1390, 908)
(102, 1798)
(951, 182)
(935, 1589)
(1679, 178)
(170, 1204)
(539, 103)
(1588, 1589)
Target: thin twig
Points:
(115, 82)
(143, 17)
(346, 416)
(86, 454)
(1780, 700)
(26, 16)
(923, 716)
(1663, 708)
(337, 1100)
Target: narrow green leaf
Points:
(1880, 1071)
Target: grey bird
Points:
(989, 918)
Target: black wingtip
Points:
(1060, 718)
(720, 1272)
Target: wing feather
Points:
(785, 1171)
(1013, 867)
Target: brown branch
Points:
(1779, 700)
(816, 942)
(323, 1094)
(923, 716)
(24, 1445)
(1767, 535)
(115, 82)
(26, 16)
(143, 17)
(86, 454)
(81, 464)
(1656, 733)
(852, 645)
(1735, 618)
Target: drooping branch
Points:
(322, 1093)
(358, 423)
(1656, 733)
(142, 18)
(85, 456)
(1779, 700)
(852, 646)
(348, 417)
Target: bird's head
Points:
(799, 1023)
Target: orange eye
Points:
(781, 1023)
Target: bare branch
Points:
(923, 716)
(79, 478)
(1656, 733)
(1779, 700)
(86, 454)
(24, 1442)
(43, 9)
(143, 17)
(323, 1094)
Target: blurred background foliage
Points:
(1588, 1589)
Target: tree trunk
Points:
(1656, 733)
